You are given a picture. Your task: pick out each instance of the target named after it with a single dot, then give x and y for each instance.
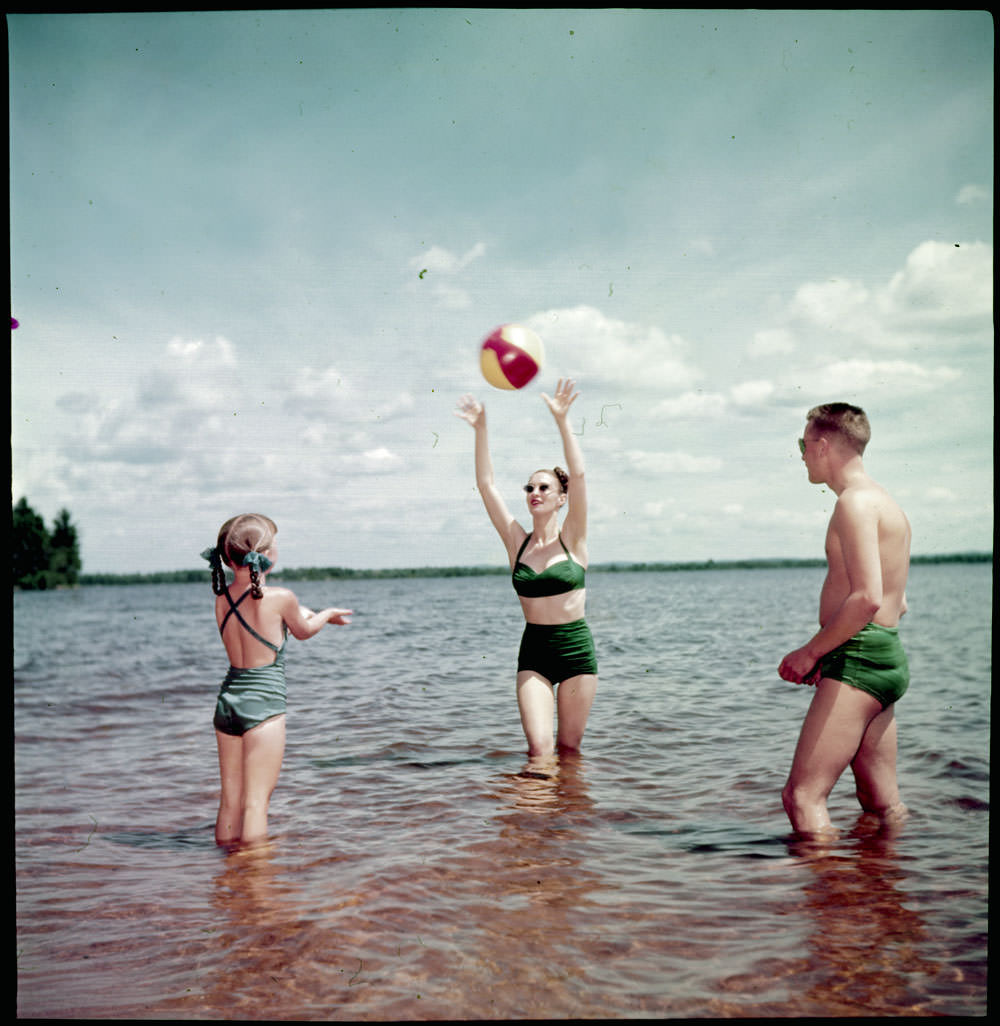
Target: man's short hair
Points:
(843, 419)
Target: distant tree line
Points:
(338, 573)
(330, 573)
(41, 558)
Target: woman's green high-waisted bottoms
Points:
(557, 651)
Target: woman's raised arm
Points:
(575, 524)
(511, 533)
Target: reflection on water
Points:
(865, 944)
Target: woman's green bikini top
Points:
(566, 575)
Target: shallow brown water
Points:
(414, 872)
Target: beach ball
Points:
(510, 356)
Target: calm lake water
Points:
(412, 873)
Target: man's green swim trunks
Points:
(873, 660)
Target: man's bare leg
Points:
(831, 738)
(874, 769)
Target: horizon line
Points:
(484, 569)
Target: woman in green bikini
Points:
(548, 569)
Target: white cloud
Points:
(451, 296)
(438, 260)
(191, 375)
(399, 406)
(752, 393)
(900, 377)
(703, 247)
(743, 397)
(836, 304)
(315, 434)
(374, 461)
(970, 194)
(437, 267)
(672, 462)
(774, 341)
(940, 284)
(311, 383)
(598, 348)
(936, 494)
(221, 351)
(193, 372)
(704, 405)
(942, 294)
(655, 509)
(194, 399)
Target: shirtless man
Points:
(855, 660)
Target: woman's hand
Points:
(559, 404)
(471, 411)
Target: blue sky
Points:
(253, 255)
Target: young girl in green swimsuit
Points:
(548, 567)
(250, 710)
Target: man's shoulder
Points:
(860, 497)
(867, 496)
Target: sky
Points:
(254, 255)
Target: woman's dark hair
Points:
(560, 475)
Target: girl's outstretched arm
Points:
(303, 623)
(575, 525)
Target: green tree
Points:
(64, 550)
(42, 560)
(30, 556)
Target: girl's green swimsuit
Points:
(556, 651)
(250, 695)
